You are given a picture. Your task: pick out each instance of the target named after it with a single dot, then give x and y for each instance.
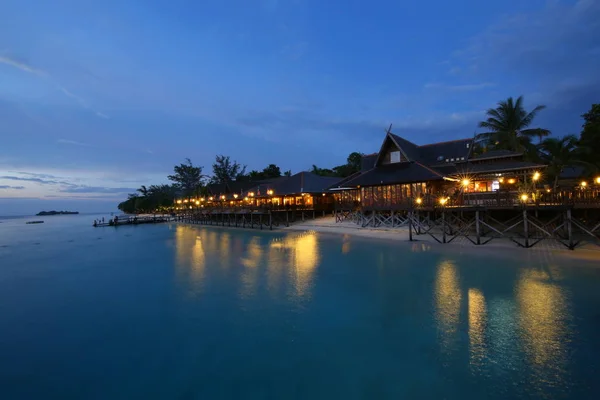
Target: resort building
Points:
(403, 174)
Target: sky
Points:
(100, 97)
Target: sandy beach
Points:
(497, 247)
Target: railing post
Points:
(477, 227)
(570, 229)
(410, 223)
(525, 227)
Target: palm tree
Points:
(143, 190)
(508, 127)
(559, 153)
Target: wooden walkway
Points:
(136, 221)
(250, 218)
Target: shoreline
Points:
(497, 247)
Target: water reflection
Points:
(189, 253)
(251, 261)
(447, 300)
(302, 257)
(477, 322)
(544, 326)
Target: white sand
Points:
(546, 249)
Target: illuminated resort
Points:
(443, 190)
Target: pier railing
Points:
(589, 198)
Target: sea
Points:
(172, 311)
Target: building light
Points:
(223, 197)
(501, 180)
(197, 203)
(465, 182)
(202, 199)
(235, 196)
(245, 198)
(270, 192)
(443, 200)
(511, 181)
(210, 198)
(598, 180)
(536, 176)
(185, 201)
(419, 200)
(251, 194)
(178, 201)
(523, 197)
(583, 184)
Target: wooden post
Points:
(260, 221)
(270, 221)
(251, 219)
(477, 227)
(526, 227)
(570, 230)
(443, 226)
(410, 224)
(392, 218)
(287, 218)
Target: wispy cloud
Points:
(460, 88)
(22, 66)
(43, 74)
(12, 187)
(96, 189)
(73, 142)
(35, 180)
(37, 175)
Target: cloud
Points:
(22, 66)
(460, 88)
(43, 74)
(73, 142)
(36, 180)
(80, 189)
(36, 175)
(12, 187)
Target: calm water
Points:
(176, 312)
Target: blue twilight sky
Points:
(99, 97)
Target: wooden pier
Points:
(253, 218)
(135, 220)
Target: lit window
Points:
(395, 157)
(447, 160)
(440, 158)
(468, 144)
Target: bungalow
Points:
(403, 173)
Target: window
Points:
(462, 159)
(395, 157)
(468, 144)
(440, 158)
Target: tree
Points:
(590, 134)
(224, 170)
(288, 173)
(559, 153)
(271, 171)
(187, 177)
(508, 126)
(355, 160)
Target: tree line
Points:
(508, 127)
(188, 179)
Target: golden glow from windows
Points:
(598, 180)
(583, 184)
(447, 297)
(511, 180)
(477, 323)
(465, 182)
(303, 252)
(443, 200)
(524, 197)
(536, 176)
(235, 196)
(543, 315)
(419, 200)
(270, 192)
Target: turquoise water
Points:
(177, 312)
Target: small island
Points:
(44, 213)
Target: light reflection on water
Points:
(447, 299)
(516, 327)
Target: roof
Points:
(495, 154)
(572, 172)
(409, 148)
(434, 153)
(302, 182)
(501, 166)
(438, 152)
(239, 186)
(368, 161)
(395, 173)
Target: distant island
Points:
(42, 213)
